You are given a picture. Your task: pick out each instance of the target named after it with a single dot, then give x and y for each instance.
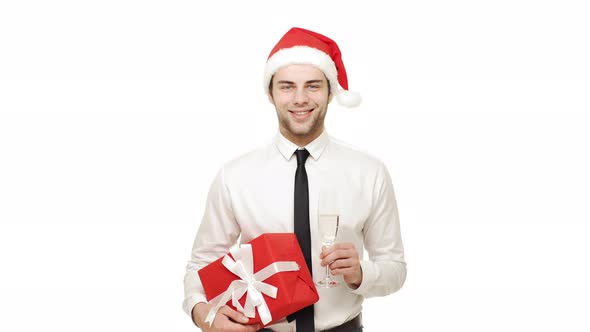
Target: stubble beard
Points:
(311, 127)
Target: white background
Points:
(116, 115)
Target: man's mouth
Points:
(301, 115)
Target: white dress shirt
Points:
(253, 194)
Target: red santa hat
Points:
(300, 46)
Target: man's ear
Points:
(330, 95)
(270, 99)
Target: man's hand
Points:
(226, 319)
(343, 259)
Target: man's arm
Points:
(385, 271)
(217, 232)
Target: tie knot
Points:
(301, 156)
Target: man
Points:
(277, 188)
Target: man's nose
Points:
(301, 96)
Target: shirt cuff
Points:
(190, 302)
(369, 278)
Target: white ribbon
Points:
(250, 283)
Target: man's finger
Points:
(338, 255)
(253, 328)
(343, 271)
(342, 245)
(234, 315)
(246, 328)
(343, 263)
(326, 250)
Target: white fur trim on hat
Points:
(302, 55)
(348, 98)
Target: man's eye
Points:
(285, 87)
(314, 86)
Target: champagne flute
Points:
(328, 222)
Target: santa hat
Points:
(300, 46)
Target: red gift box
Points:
(270, 265)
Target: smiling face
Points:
(300, 94)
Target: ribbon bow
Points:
(250, 283)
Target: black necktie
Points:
(303, 317)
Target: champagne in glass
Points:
(328, 227)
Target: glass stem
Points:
(328, 276)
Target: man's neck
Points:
(302, 141)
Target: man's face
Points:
(300, 95)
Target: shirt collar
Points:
(315, 148)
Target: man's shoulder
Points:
(252, 158)
(356, 153)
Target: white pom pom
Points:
(348, 98)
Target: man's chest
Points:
(264, 202)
